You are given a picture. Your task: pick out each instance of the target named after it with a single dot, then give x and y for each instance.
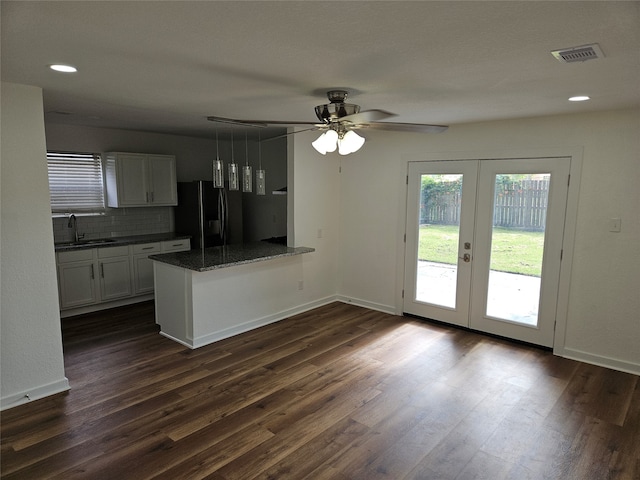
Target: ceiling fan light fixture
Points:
(319, 145)
(350, 142)
(327, 142)
(331, 140)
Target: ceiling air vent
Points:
(578, 54)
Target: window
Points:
(75, 182)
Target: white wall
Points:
(314, 208)
(194, 155)
(31, 343)
(603, 319)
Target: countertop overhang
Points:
(213, 258)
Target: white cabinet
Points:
(176, 245)
(162, 180)
(143, 267)
(76, 278)
(140, 180)
(115, 273)
(93, 275)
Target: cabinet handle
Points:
(151, 197)
(176, 245)
(147, 248)
(102, 270)
(147, 197)
(92, 273)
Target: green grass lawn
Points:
(512, 251)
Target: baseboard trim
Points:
(186, 343)
(250, 325)
(366, 304)
(607, 362)
(96, 307)
(32, 394)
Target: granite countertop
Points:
(118, 241)
(214, 258)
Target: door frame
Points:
(575, 170)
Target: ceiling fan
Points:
(339, 120)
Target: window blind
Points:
(75, 182)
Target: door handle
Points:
(466, 257)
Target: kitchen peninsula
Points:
(206, 295)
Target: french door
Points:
(484, 244)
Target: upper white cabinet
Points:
(140, 180)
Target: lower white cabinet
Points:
(176, 245)
(143, 267)
(114, 272)
(76, 285)
(92, 276)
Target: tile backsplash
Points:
(117, 222)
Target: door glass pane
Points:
(517, 243)
(437, 272)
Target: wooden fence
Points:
(521, 205)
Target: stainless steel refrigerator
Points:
(212, 216)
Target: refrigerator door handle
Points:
(201, 213)
(222, 215)
(226, 216)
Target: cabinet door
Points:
(115, 278)
(133, 186)
(162, 179)
(142, 275)
(77, 284)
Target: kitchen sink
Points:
(99, 241)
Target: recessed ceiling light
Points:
(63, 68)
(579, 98)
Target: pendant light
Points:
(261, 187)
(218, 168)
(247, 180)
(234, 181)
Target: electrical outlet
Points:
(319, 233)
(300, 284)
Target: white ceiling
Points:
(165, 66)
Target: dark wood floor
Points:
(340, 392)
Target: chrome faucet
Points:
(73, 223)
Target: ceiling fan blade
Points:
(367, 116)
(258, 123)
(244, 123)
(407, 127)
(317, 127)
